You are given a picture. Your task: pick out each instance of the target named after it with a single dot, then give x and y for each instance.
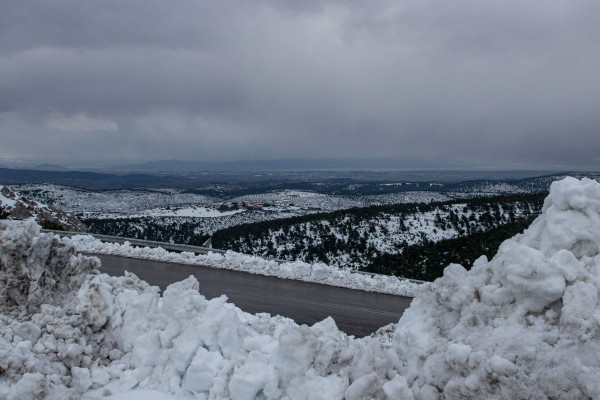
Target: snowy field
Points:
(191, 211)
(524, 325)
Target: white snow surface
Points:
(523, 325)
(298, 270)
(191, 211)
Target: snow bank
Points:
(98, 336)
(523, 325)
(298, 270)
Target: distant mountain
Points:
(50, 167)
(89, 180)
(232, 183)
(528, 185)
(367, 164)
(16, 207)
(166, 165)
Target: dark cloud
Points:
(140, 80)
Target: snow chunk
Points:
(81, 379)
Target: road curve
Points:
(355, 312)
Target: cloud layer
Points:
(216, 81)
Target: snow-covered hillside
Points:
(16, 207)
(174, 202)
(164, 214)
(523, 325)
(354, 238)
(113, 202)
(168, 228)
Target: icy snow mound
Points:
(523, 325)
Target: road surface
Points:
(355, 312)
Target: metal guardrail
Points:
(140, 242)
(354, 271)
(190, 248)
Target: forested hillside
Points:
(427, 261)
(356, 237)
(169, 230)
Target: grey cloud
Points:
(273, 79)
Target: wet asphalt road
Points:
(355, 312)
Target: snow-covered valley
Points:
(355, 239)
(522, 325)
(135, 213)
(175, 202)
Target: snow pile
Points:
(298, 270)
(524, 325)
(99, 336)
(38, 269)
(42, 338)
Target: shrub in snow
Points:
(523, 325)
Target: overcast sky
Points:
(498, 82)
